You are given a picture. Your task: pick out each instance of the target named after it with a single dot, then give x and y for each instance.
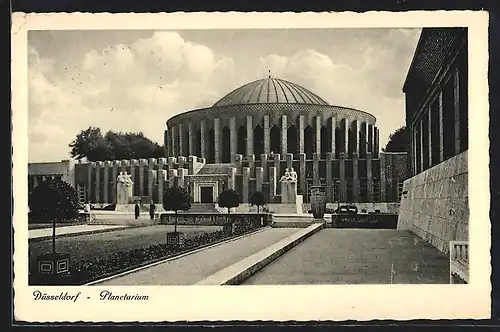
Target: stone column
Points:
(441, 129)
(356, 126)
(414, 151)
(429, 132)
(162, 162)
(114, 175)
(142, 165)
(151, 181)
(277, 158)
(263, 164)
(217, 139)
(332, 133)
(203, 137)
(191, 161)
(173, 138)
(251, 164)
(182, 147)
(318, 134)
(172, 177)
(369, 178)
(302, 173)
(181, 177)
(421, 143)
(181, 162)
(342, 180)
(329, 177)
(90, 167)
(105, 189)
(239, 163)
(284, 127)
(167, 141)
(289, 160)
(171, 163)
(355, 177)
(345, 132)
(246, 180)
(233, 140)
(267, 135)
(133, 164)
(259, 178)
(231, 184)
(302, 121)
(190, 139)
(375, 142)
(249, 127)
(389, 179)
(272, 183)
(383, 196)
(456, 109)
(162, 174)
(316, 181)
(98, 166)
(125, 163)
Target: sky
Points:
(135, 80)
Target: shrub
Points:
(258, 200)
(53, 199)
(229, 199)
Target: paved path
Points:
(43, 232)
(357, 256)
(190, 269)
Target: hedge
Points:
(83, 272)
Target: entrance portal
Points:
(207, 194)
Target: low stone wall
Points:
(212, 219)
(390, 208)
(377, 221)
(435, 203)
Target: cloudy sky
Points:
(136, 80)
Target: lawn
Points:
(85, 247)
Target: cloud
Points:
(136, 85)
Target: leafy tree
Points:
(229, 198)
(398, 141)
(176, 199)
(94, 146)
(258, 200)
(53, 199)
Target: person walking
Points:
(137, 210)
(152, 208)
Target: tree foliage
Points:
(176, 199)
(229, 199)
(93, 145)
(398, 141)
(257, 199)
(53, 199)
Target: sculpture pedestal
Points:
(288, 192)
(124, 194)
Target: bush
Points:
(176, 199)
(258, 200)
(86, 271)
(53, 199)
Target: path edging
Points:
(253, 263)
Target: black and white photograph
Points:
(270, 154)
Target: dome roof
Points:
(270, 91)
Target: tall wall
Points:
(435, 203)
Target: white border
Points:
(279, 303)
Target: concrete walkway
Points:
(190, 269)
(357, 256)
(65, 230)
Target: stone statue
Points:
(124, 188)
(286, 176)
(293, 175)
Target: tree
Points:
(258, 200)
(94, 146)
(229, 199)
(398, 141)
(176, 199)
(53, 199)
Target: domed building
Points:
(247, 139)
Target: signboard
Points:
(318, 201)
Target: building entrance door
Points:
(207, 194)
